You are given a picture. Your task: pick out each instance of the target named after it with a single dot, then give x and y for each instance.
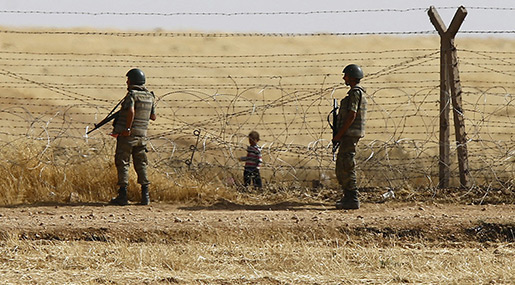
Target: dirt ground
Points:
(400, 221)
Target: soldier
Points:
(130, 129)
(351, 127)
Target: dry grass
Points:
(31, 176)
(263, 261)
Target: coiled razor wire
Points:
(400, 148)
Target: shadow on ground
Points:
(223, 204)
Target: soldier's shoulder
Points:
(357, 89)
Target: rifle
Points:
(108, 118)
(333, 125)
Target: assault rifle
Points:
(106, 120)
(111, 116)
(333, 122)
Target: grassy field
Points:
(262, 262)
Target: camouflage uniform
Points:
(143, 102)
(345, 163)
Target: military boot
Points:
(349, 201)
(121, 199)
(145, 197)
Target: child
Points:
(252, 162)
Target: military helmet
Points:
(136, 76)
(354, 71)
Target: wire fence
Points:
(53, 96)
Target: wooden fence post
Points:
(449, 79)
(444, 145)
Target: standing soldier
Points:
(130, 129)
(351, 127)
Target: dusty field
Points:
(286, 243)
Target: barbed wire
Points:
(231, 14)
(231, 35)
(289, 151)
(224, 56)
(289, 109)
(225, 35)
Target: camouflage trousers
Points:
(346, 165)
(125, 148)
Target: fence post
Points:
(449, 79)
(459, 120)
(444, 145)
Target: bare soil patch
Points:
(399, 222)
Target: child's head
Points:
(253, 137)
